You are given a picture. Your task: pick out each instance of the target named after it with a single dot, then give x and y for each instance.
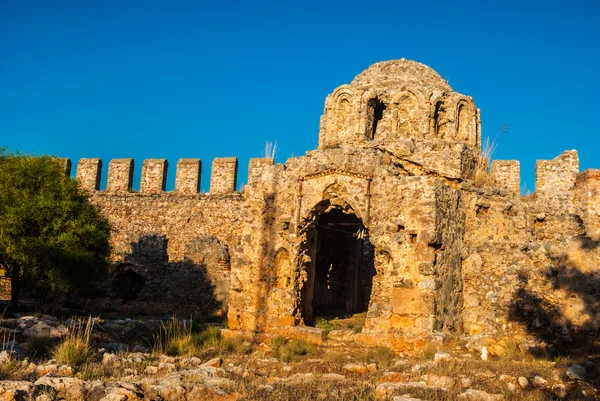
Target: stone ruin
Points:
(395, 214)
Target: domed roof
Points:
(401, 72)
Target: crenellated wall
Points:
(180, 242)
(396, 195)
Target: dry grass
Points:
(181, 338)
(11, 369)
(75, 350)
(482, 169)
(313, 390)
(98, 371)
(288, 351)
(354, 322)
(270, 149)
(383, 357)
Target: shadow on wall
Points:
(146, 282)
(565, 318)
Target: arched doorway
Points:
(340, 267)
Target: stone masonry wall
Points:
(399, 151)
(588, 198)
(447, 269)
(179, 242)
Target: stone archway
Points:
(339, 265)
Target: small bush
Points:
(323, 323)
(75, 350)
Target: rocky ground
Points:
(122, 368)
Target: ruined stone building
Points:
(395, 214)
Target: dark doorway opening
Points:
(127, 284)
(340, 273)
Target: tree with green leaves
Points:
(50, 234)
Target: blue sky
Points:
(187, 79)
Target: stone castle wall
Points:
(439, 245)
(179, 242)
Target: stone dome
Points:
(401, 73)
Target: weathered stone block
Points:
(224, 175)
(120, 175)
(506, 174)
(154, 176)
(409, 301)
(88, 174)
(187, 177)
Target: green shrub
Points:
(323, 323)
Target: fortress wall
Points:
(496, 229)
(170, 240)
(587, 189)
(447, 267)
(179, 243)
(529, 268)
(506, 174)
(557, 175)
(552, 210)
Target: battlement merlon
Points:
(587, 196)
(154, 176)
(187, 177)
(507, 175)
(556, 175)
(89, 172)
(223, 179)
(66, 165)
(256, 167)
(120, 175)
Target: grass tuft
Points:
(288, 351)
(11, 369)
(75, 350)
(184, 338)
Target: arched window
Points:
(437, 115)
(375, 110)
(343, 114)
(464, 125)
